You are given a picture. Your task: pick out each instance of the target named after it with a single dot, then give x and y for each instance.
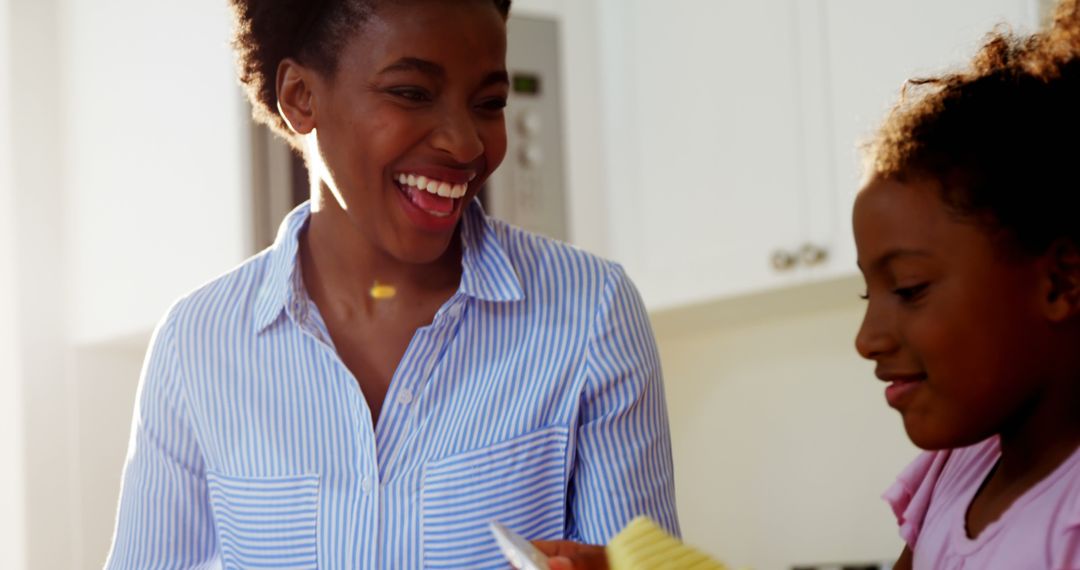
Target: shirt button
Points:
(366, 484)
(404, 397)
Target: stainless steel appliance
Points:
(528, 190)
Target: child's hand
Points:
(568, 555)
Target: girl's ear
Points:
(1062, 300)
(295, 95)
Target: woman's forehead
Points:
(432, 30)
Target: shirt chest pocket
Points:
(266, 522)
(519, 482)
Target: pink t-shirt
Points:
(1040, 531)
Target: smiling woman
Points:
(398, 369)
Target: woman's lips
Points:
(440, 216)
(438, 206)
(433, 196)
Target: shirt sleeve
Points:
(909, 497)
(622, 466)
(164, 518)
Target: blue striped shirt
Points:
(533, 398)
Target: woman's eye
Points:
(912, 293)
(411, 94)
(494, 104)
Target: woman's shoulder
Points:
(542, 261)
(225, 299)
(540, 248)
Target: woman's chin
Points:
(423, 250)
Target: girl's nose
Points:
(874, 338)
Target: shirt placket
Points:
(414, 372)
(305, 314)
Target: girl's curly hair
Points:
(265, 32)
(1002, 138)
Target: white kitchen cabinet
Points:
(732, 129)
(873, 48)
(704, 160)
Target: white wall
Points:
(781, 436)
(158, 203)
(38, 173)
(12, 508)
(108, 376)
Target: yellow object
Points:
(643, 545)
(380, 291)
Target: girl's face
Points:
(411, 125)
(954, 325)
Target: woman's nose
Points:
(459, 137)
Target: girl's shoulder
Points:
(937, 479)
(1063, 500)
(933, 493)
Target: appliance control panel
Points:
(528, 189)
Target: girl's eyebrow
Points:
(890, 255)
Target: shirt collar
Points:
(486, 270)
(274, 292)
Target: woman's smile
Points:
(438, 194)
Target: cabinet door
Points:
(873, 47)
(705, 163)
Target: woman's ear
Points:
(295, 95)
(1062, 300)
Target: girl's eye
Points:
(411, 94)
(909, 294)
(865, 296)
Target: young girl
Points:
(968, 235)
(398, 370)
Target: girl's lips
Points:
(897, 393)
(901, 388)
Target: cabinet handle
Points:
(783, 260)
(812, 255)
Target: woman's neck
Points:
(341, 264)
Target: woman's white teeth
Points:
(431, 186)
